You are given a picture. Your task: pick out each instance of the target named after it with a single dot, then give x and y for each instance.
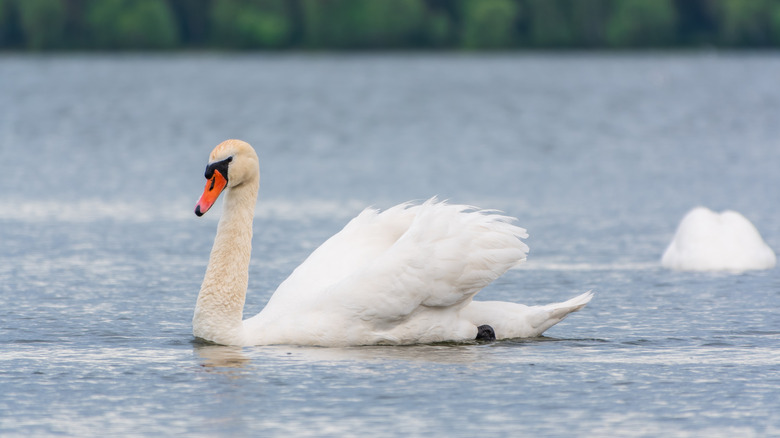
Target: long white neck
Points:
(219, 310)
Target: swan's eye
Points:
(220, 166)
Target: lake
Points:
(599, 156)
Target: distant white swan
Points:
(709, 241)
(403, 276)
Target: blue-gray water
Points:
(598, 156)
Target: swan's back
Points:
(386, 269)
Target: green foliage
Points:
(131, 24)
(5, 20)
(362, 23)
(550, 26)
(251, 23)
(42, 22)
(193, 17)
(437, 30)
(746, 22)
(4, 15)
(386, 24)
(393, 23)
(775, 17)
(588, 20)
(488, 24)
(642, 23)
(318, 23)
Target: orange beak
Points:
(214, 187)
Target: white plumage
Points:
(710, 241)
(405, 275)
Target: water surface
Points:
(598, 156)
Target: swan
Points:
(403, 276)
(710, 241)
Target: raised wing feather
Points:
(362, 240)
(447, 255)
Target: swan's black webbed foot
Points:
(486, 333)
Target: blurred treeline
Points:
(386, 24)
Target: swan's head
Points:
(231, 163)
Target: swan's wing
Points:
(393, 276)
(447, 254)
(362, 240)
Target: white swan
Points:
(710, 241)
(403, 276)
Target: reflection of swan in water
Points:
(221, 356)
(403, 276)
(215, 357)
(428, 353)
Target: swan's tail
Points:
(553, 313)
(512, 320)
(560, 310)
